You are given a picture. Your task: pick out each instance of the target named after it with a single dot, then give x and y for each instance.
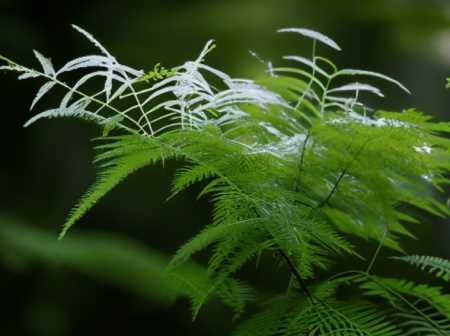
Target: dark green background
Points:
(46, 167)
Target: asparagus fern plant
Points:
(295, 165)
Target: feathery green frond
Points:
(190, 175)
(267, 321)
(237, 295)
(350, 319)
(420, 308)
(205, 238)
(428, 322)
(123, 162)
(432, 296)
(439, 266)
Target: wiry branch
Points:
(305, 143)
(304, 204)
(333, 190)
(295, 273)
(302, 160)
(342, 175)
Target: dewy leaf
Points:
(29, 74)
(99, 61)
(8, 67)
(93, 40)
(358, 87)
(313, 35)
(42, 91)
(76, 110)
(307, 62)
(46, 63)
(357, 72)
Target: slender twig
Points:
(333, 191)
(304, 204)
(302, 161)
(296, 274)
(342, 175)
(377, 252)
(302, 97)
(302, 155)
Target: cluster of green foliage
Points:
(295, 165)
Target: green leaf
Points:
(123, 162)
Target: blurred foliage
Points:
(117, 260)
(109, 259)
